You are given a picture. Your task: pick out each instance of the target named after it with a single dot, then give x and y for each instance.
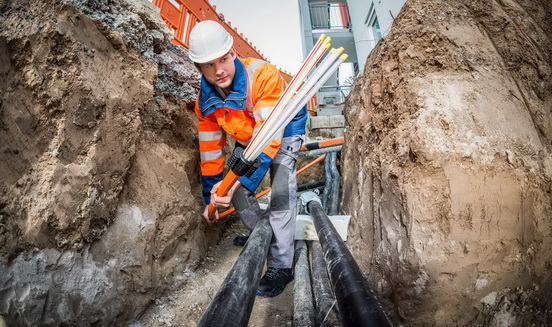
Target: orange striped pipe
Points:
(322, 144)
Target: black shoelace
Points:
(272, 272)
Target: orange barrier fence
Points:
(181, 16)
(311, 105)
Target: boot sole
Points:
(271, 294)
(276, 292)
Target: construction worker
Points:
(236, 96)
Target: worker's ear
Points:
(233, 53)
(198, 67)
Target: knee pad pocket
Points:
(280, 188)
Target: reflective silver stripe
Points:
(211, 155)
(210, 136)
(279, 135)
(253, 67)
(243, 142)
(262, 113)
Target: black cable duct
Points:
(326, 312)
(357, 304)
(303, 306)
(310, 186)
(233, 303)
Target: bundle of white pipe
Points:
(287, 107)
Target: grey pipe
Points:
(334, 189)
(328, 186)
(303, 307)
(233, 303)
(326, 312)
(318, 152)
(358, 305)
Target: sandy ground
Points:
(184, 306)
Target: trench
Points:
(447, 170)
(222, 293)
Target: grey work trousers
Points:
(283, 203)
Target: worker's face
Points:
(220, 72)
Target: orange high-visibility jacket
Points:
(256, 87)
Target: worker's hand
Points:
(225, 200)
(206, 215)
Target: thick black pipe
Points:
(303, 307)
(310, 186)
(326, 312)
(357, 304)
(233, 303)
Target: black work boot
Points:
(274, 281)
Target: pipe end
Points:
(308, 197)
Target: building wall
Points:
(341, 37)
(359, 11)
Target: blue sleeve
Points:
(208, 182)
(297, 125)
(251, 183)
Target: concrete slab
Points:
(326, 121)
(329, 111)
(305, 230)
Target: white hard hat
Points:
(208, 41)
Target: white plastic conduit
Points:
(328, 66)
(314, 56)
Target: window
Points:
(376, 29)
(372, 23)
(329, 15)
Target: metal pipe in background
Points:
(357, 304)
(322, 144)
(326, 312)
(322, 151)
(328, 185)
(303, 307)
(233, 303)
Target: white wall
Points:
(358, 10)
(272, 26)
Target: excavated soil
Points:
(449, 182)
(99, 176)
(100, 195)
